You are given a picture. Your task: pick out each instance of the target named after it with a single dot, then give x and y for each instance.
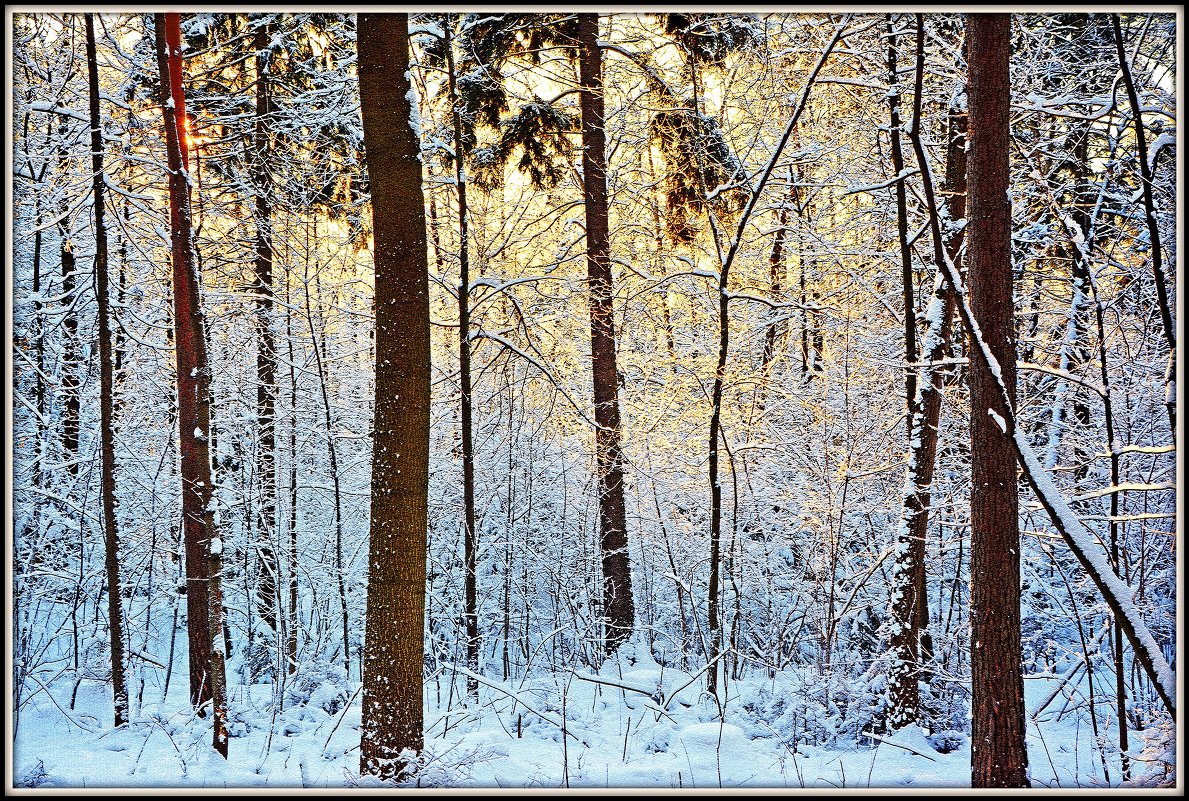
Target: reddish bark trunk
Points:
(999, 756)
(203, 556)
(395, 627)
(618, 604)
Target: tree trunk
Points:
(904, 670)
(395, 630)
(1117, 594)
(999, 755)
(910, 324)
(294, 616)
(267, 600)
(70, 360)
(320, 362)
(202, 545)
(721, 368)
(618, 605)
(776, 275)
(910, 641)
(470, 544)
(115, 615)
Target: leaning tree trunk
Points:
(395, 628)
(618, 605)
(204, 548)
(999, 755)
(107, 465)
(720, 371)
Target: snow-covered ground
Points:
(552, 731)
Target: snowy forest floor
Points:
(514, 737)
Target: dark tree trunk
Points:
(70, 361)
(724, 341)
(999, 755)
(267, 600)
(470, 544)
(395, 630)
(910, 611)
(776, 276)
(904, 670)
(910, 309)
(203, 546)
(618, 605)
(111, 539)
(38, 335)
(294, 616)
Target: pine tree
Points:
(999, 755)
(203, 546)
(392, 726)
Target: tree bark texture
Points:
(999, 755)
(618, 604)
(395, 631)
(203, 547)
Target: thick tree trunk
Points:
(267, 600)
(999, 754)
(107, 466)
(395, 630)
(203, 547)
(618, 605)
(470, 544)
